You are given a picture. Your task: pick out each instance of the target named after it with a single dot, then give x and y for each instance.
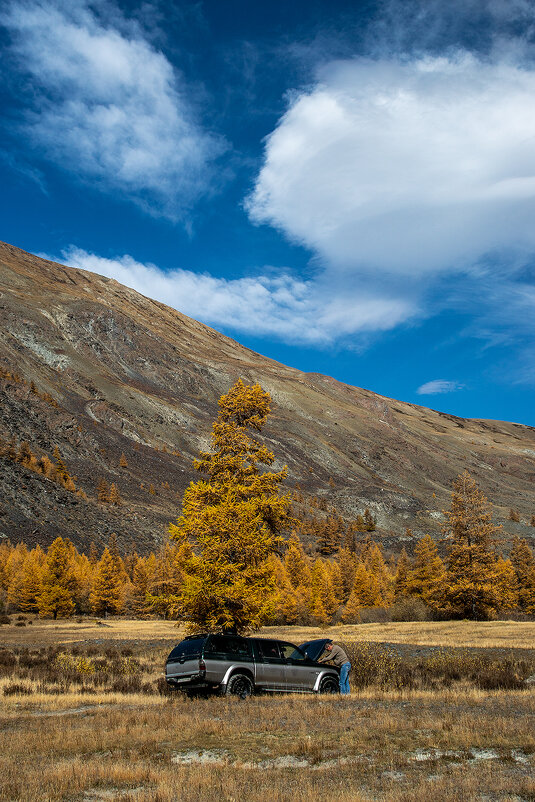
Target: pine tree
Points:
(24, 455)
(506, 584)
(377, 570)
(113, 548)
(123, 462)
(470, 590)
(351, 613)
(60, 465)
(107, 592)
(130, 561)
(84, 572)
(370, 522)
(426, 576)
(348, 568)
(47, 468)
(523, 562)
(93, 553)
(56, 597)
(360, 524)
(232, 520)
(114, 497)
(139, 602)
(25, 586)
(103, 491)
(365, 587)
(322, 587)
(401, 576)
(296, 562)
(349, 541)
(329, 536)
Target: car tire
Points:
(240, 685)
(329, 685)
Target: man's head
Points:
(329, 646)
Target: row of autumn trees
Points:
(308, 590)
(227, 566)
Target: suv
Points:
(241, 666)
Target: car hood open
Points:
(314, 648)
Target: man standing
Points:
(334, 653)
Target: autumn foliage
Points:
(231, 521)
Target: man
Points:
(335, 654)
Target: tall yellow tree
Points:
(56, 599)
(25, 587)
(425, 577)
(107, 594)
(296, 562)
(470, 588)
(400, 578)
(523, 562)
(232, 520)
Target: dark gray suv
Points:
(231, 664)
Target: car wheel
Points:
(329, 685)
(240, 685)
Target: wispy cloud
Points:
(107, 107)
(280, 306)
(438, 386)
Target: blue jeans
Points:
(344, 678)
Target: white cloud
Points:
(438, 386)
(108, 107)
(405, 168)
(281, 306)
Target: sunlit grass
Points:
(72, 738)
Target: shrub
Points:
(5, 619)
(374, 664)
(17, 689)
(409, 608)
(7, 660)
(374, 615)
(131, 684)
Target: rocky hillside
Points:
(115, 373)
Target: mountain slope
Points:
(132, 376)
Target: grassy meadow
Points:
(438, 709)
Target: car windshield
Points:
(291, 652)
(187, 648)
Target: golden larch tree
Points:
(401, 575)
(425, 578)
(523, 562)
(56, 599)
(107, 592)
(232, 520)
(470, 588)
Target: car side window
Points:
(228, 647)
(269, 651)
(291, 652)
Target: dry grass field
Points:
(443, 711)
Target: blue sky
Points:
(347, 187)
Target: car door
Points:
(301, 671)
(271, 666)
